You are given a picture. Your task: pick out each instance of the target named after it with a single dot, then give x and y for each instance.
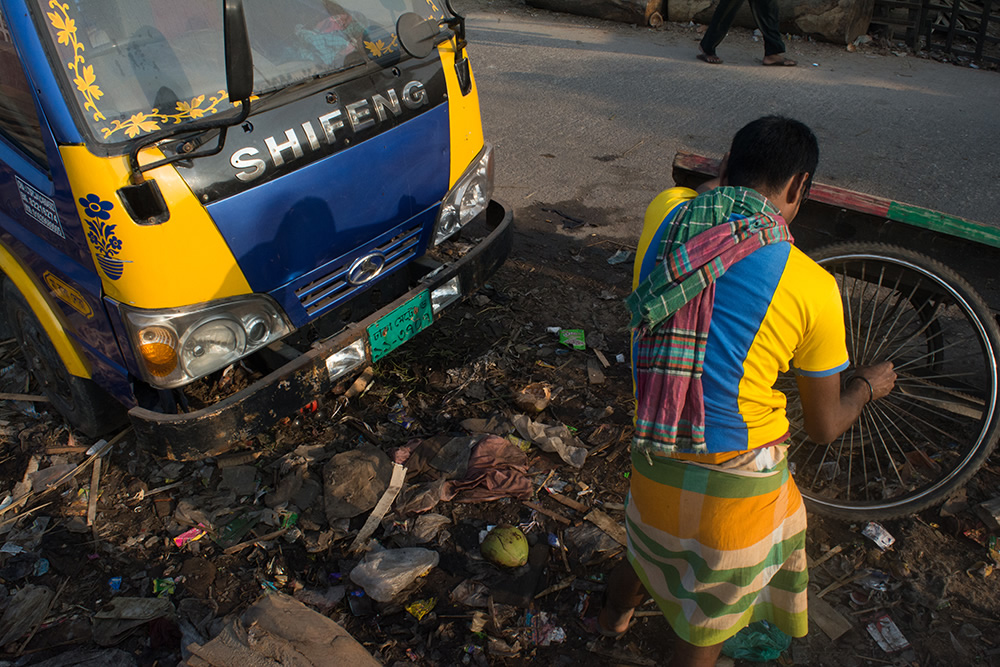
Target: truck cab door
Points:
(40, 233)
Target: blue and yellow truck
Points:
(289, 188)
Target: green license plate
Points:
(400, 325)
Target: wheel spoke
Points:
(881, 434)
(896, 306)
(871, 320)
(850, 314)
(907, 414)
(914, 404)
(908, 341)
(891, 425)
(910, 362)
(954, 407)
(923, 379)
(911, 317)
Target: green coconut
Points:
(505, 546)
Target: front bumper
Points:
(239, 417)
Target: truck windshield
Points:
(133, 67)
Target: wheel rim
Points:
(917, 440)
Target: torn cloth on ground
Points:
(497, 469)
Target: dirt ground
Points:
(936, 583)
(933, 584)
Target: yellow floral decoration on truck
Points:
(86, 82)
(150, 121)
(85, 79)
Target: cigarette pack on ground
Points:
(886, 634)
(879, 535)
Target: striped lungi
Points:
(720, 546)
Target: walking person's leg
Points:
(718, 27)
(765, 14)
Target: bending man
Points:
(723, 303)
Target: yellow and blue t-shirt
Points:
(774, 310)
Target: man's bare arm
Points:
(828, 412)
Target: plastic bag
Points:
(383, 574)
(758, 642)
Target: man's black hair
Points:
(769, 151)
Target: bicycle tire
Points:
(947, 323)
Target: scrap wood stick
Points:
(237, 459)
(547, 478)
(236, 548)
(74, 449)
(22, 490)
(878, 607)
(608, 555)
(141, 495)
(975, 618)
(98, 450)
(383, 505)
(827, 556)
(562, 552)
(33, 398)
(600, 448)
(95, 484)
(614, 455)
(843, 581)
(608, 525)
(549, 513)
(491, 606)
(18, 517)
(568, 502)
(565, 583)
(41, 620)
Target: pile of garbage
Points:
(471, 521)
(161, 552)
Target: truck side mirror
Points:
(239, 60)
(417, 36)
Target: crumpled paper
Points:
(558, 439)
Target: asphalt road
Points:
(592, 112)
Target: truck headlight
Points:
(470, 197)
(175, 346)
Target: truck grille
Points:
(333, 288)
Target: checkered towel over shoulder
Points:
(672, 311)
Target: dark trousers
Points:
(765, 13)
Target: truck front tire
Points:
(84, 405)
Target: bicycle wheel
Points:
(915, 447)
